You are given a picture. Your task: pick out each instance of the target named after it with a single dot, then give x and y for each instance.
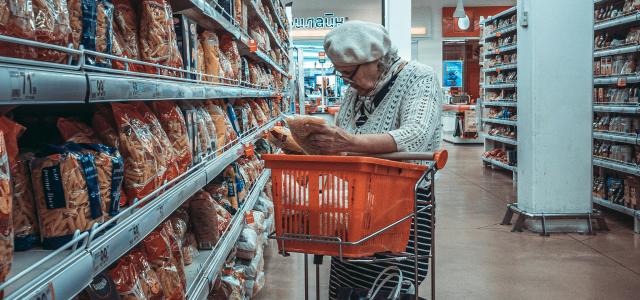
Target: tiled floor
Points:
(479, 259)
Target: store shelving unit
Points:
(604, 167)
(493, 31)
(63, 273)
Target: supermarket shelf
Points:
(501, 14)
(209, 263)
(617, 207)
(274, 37)
(500, 121)
(617, 79)
(625, 109)
(502, 31)
(617, 166)
(501, 68)
(21, 84)
(617, 50)
(624, 20)
(500, 86)
(500, 139)
(272, 6)
(500, 103)
(616, 137)
(133, 227)
(501, 49)
(499, 164)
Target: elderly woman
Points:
(392, 105)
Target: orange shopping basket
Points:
(344, 206)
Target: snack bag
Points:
(6, 202)
(211, 51)
(17, 20)
(127, 280)
(142, 168)
(174, 125)
(149, 281)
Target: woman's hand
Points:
(331, 139)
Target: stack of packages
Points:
(243, 274)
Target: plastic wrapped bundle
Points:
(157, 33)
(52, 27)
(229, 48)
(175, 127)
(17, 20)
(164, 147)
(25, 220)
(6, 203)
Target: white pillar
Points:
(397, 16)
(554, 107)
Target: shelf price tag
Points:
(97, 89)
(253, 46)
(44, 293)
(249, 150)
(134, 234)
(622, 82)
(100, 259)
(22, 86)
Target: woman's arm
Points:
(333, 139)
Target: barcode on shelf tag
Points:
(248, 216)
(100, 259)
(44, 293)
(22, 85)
(622, 82)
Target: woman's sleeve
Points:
(420, 119)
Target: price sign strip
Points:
(34, 85)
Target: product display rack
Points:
(615, 175)
(63, 273)
(499, 40)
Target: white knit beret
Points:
(356, 42)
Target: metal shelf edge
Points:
(609, 136)
(500, 103)
(616, 51)
(603, 163)
(617, 207)
(617, 109)
(500, 121)
(501, 14)
(499, 164)
(499, 139)
(616, 22)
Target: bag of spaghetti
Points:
(143, 169)
(174, 126)
(164, 147)
(17, 20)
(67, 196)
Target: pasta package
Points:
(174, 125)
(127, 280)
(157, 34)
(52, 27)
(219, 118)
(301, 133)
(211, 51)
(200, 60)
(76, 131)
(17, 20)
(67, 196)
(126, 20)
(211, 127)
(6, 202)
(229, 48)
(230, 177)
(149, 281)
(164, 148)
(204, 217)
(143, 169)
(176, 250)
(25, 220)
(258, 114)
(104, 31)
(103, 123)
(281, 137)
(158, 252)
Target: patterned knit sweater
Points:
(410, 112)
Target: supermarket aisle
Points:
(479, 259)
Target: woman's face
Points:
(363, 77)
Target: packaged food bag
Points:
(281, 137)
(52, 27)
(6, 203)
(174, 125)
(149, 281)
(211, 52)
(158, 252)
(127, 280)
(77, 132)
(17, 20)
(25, 220)
(164, 147)
(204, 219)
(302, 133)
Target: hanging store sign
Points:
(322, 57)
(329, 20)
(452, 70)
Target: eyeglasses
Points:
(348, 79)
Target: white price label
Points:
(100, 259)
(45, 293)
(161, 212)
(23, 85)
(98, 89)
(134, 234)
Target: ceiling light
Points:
(459, 13)
(464, 23)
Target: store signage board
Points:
(452, 73)
(328, 20)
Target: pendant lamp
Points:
(459, 13)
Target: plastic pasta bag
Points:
(204, 220)
(17, 20)
(247, 244)
(301, 134)
(229, 47)
(219, 119)
(25, 220)
(103, 123)
(149, 281)
(211, 128)
(157, 33)
(200, 61)
(142, 168)
(165, 151)
(259, 116)
(176, 253)
(211, 60)
(174, 125)
(158, 251)
(52, 27)
(127, 280)
(76, 132)
(281, 137)
(6, 203)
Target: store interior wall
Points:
(429, 48)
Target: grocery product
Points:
(52, 27)
(173, 123)
(17, 20)
(157, 34)
(158, 252)
(163, 147)
(103, 123)
(127, 280)
(211, 127)
(149, 281)
(77, 132)
(301, 132)
(126, 25)
(142, 167)
(211, 51)
(6, 202)
(25, 221)
(204, 218)
(281, 137)
(219, 119)
(175, 244)
(229, 48)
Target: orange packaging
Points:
(158, 43)
(164, 148)
(158, 252)
(76, 131)
(6, 203)
(174, 125)
(126, 279)
(52, 27)
(149, 281)
(17, 20)
(176, 250)
(142, 167)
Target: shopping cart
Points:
(353, 207)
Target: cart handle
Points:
(440, 157)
